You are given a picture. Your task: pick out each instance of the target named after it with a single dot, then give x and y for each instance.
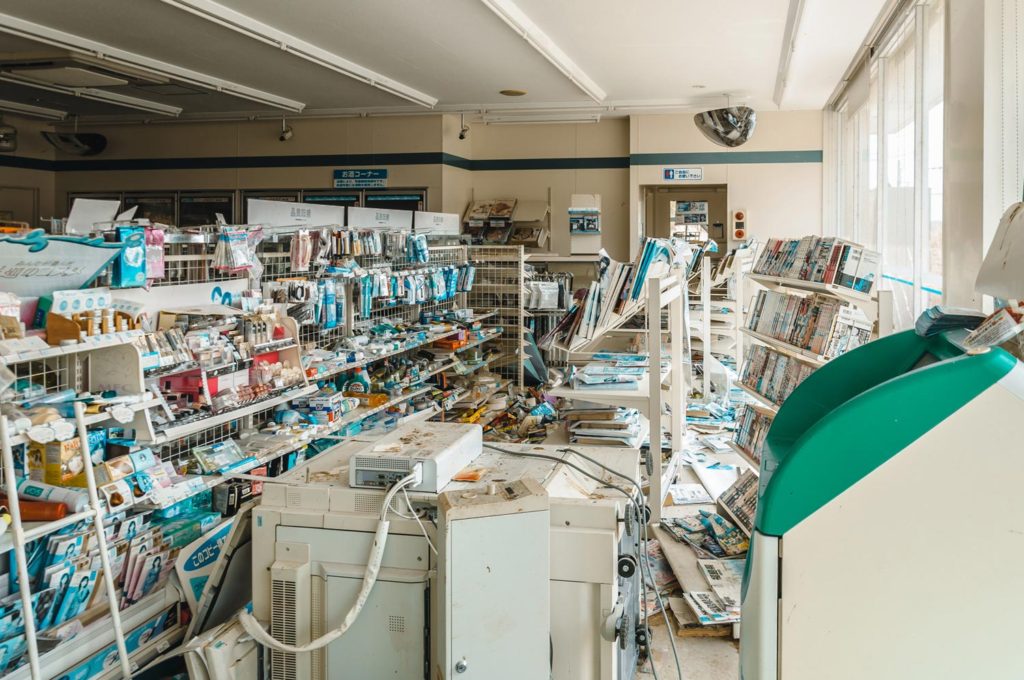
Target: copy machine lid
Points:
(858, 411)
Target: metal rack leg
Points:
(101, 539)
(18, 536)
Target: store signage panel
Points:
(285, 214)
(379, 218)
(683, 174)
(436, 223)
(367, 178)
(37, 264)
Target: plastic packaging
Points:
(75, 501)
(39, 511)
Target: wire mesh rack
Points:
(54, 374)
(182, 448)
(499, 286)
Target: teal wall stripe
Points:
(723, 157)
(423, 158)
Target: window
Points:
(889, 159)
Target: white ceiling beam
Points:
(79, 45)
(793, 18)
(97, 95)
(522, 24)
(257, 30)
(32, 111)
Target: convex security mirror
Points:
(731, 126)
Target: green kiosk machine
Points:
(889, 538)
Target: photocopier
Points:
(497, 563)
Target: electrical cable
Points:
(416, 517)
(640, 517)
(253, 627)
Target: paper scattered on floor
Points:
(725, 577)
(689, 494)
(710, 610)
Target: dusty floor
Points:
(699, 658)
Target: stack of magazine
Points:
(821, 260)
(615, 296)
(595, 425)
(773, 375)
(818, 323)
(751, 429)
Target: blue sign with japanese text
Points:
(691, 174)
(370, 178)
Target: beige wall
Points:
(781, 199)
(410, 134)
(28, 194)
(609, 138)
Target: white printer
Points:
(313, 530)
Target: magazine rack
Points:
(654, 398)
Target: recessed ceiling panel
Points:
(456, 50)
(660, 49)
(69, 76)
(162, 32)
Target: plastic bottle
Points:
(37, 491)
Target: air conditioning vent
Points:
(282, 628)
(369, 503)
(375, 463)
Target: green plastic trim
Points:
(858, 411)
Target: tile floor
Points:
(699, 658)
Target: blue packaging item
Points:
(143, 459)
(129, 269)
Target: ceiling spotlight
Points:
(512, 93)
(464, 129)
(731, 127)
(286, 131)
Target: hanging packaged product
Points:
(301, 252)
(232, 251)
(129, 268)
(154, 253)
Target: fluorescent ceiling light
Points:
(793, 17)
(97, 95)
(540, 118)
(107, 53)
(32, 111)
(510, 13)
(257, 30)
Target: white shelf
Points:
(639, 398)
(745, 455)
(767, 404)
(88, 345)
(553, 257)
(855, 297)
(782, 347)
(178, 431)
(98, 635)
(34, 530)
(335, 369)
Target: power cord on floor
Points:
(641, 516)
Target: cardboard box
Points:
(57, 463)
